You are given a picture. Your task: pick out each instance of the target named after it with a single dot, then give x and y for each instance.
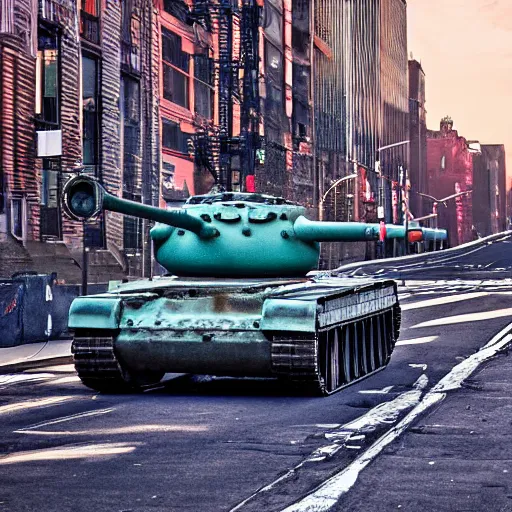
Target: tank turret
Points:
(230, 234)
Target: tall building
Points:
(489, 190)
(418, 205)
(360, 105)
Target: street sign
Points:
(380, 212)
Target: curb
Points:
(426, 257)
(39, 363)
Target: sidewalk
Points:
(33, 355)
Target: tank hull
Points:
(325, 332)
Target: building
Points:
(394, 97)
(418, 205)
(489, 190)
(450, 172)
(360, 105)
(78, 81)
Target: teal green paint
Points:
(289, 315)
(247, 236)
(308, 231)
(434, 234)
(98, 312)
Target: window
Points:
(175, 69)
(173, 137)
(177, 8)
(90, 135)
(132, 227)
(300, 116)
(17, 217)
(130, 37)
(203, 85)
(47, 79)
(273, 24)
(131, 132)
(89, 20)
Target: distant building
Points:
(418, 205)
(360, 105)
(489, 190)
(450, 171)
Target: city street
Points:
(222, 444)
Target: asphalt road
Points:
(224, 444)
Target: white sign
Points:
(380, 212)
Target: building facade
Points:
(489, 190)
(450, 172)
(419, 205)
(360, 106)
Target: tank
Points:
(237, 300)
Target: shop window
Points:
(90, 135)
(175, 69)
(47, 79)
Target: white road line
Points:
(7, 380)
(416, 341)
(329, 493)
(67, 418)
(466, 318)
(31, 404)
(384, 413)
(442, 300)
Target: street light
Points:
(334, 185)
(378, 170)
(443, 200)
(380, 207)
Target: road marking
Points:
(422, 366)
(466, 318)
(384, 413)
(70, 452)
(416, 341)
(383, 391)
(441, 300)
(329, 493)
(67, 418)
(131, 429)
(31, 404)
(23, 377)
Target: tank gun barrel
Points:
(320, 231)
(84, 197)
(434, 234)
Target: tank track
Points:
(96, 362)
(98, 367)
(328, 361)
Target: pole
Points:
(85, 262)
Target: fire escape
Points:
(235, 79)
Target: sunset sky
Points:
(465, 47)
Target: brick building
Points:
(450, 171)
(489, 190)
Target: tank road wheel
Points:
(99, 368)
